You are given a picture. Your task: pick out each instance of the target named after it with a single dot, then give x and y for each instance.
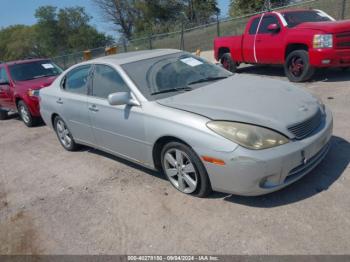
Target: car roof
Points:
(135, 56)
(284, 11)
(25, 61)
(295, 10)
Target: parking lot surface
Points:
(89, 202)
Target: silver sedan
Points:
(204, 127)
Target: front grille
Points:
(309, 165)
(305, 128)
(343, 40)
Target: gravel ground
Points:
(89, 202)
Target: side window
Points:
(3, 75)
(266, 21)
(106, 81)
(76, 81)
(254, 26)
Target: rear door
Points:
(248, 41)
(72, 102)
(6, 94)
(270, 45)
(118, 129)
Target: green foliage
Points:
(56, 32)
(241, 7)
(135, 18)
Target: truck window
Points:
(266, 21)
(254, 26)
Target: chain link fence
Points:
(201, 37)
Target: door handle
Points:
(59, 101)
(93, 108)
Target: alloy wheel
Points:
(63, 134)
(24, 114)
(180, 170)
(296, 66)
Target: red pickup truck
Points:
(20, 82)
(301, 40)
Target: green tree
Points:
(241, 7)
(201, 11)
(122, 13)
(17, 42)
(67, 30)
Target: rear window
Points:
(298, 17)
(34, 70)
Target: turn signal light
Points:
(213, 160)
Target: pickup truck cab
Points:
(301, 40)
(20, 82)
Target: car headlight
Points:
(323, 41)
(249, 136)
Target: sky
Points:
(22, 11)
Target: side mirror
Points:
(122, 98)
(273, 28)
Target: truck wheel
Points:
(228, 63)
(26, 116)
(3, 114)
(297, 66)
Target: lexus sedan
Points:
(202, 126)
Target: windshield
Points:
(169, 75)
(34, 70)
(298, 17)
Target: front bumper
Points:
(258, 172)
(329, 57)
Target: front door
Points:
(269, 45)
(118, 129)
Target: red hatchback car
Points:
(20, 82)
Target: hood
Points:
(37, 83)
(248, 99)
(328, 27)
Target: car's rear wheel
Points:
(184, 170)
(25, 115)
(64, 135)
(3, 114)
(228, 63)
(297, 66)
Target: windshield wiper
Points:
(41, 76)
(207, 79)
(172, 90)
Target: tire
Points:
(297, 66)
(3, 114)
(228, 63)
(26, 116)
(64, 135)
(193, 181)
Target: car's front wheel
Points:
(297, 66)
(3, 114)
(25, 115)
(64, 135)
(184, 169)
